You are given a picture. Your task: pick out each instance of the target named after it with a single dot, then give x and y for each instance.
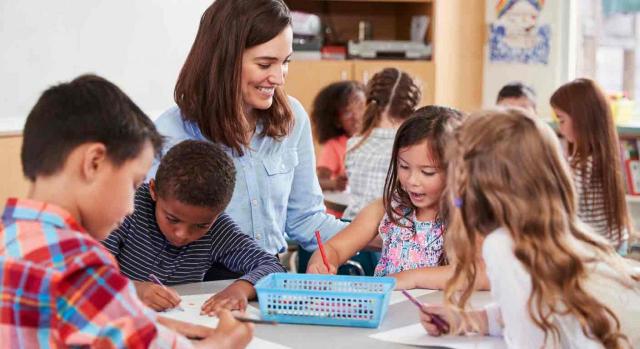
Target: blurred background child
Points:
(555, 283)
(586, 123)
(392, 96)
(336, 116)
(517, 94)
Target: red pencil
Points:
(321, 247)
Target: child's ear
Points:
(94, 159)
(152, 189)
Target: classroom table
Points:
(336, 200)
(333, 337)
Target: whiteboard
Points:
(140, 45)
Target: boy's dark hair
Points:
(327, 106)
(87, 109)
(197, 173)
(516, 89)
(433, 124)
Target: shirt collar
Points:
(193, 130)
(26, 209)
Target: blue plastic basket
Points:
(339, 300)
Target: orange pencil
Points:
(321, 247)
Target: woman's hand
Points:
(235, 297)
(157, 297)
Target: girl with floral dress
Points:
(408, 218)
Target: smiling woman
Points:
(230, 92)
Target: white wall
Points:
(138, 44)
(559, 14)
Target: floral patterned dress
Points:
(415, 245)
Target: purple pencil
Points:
(437, 320)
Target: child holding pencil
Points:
(178, 230)
(555, 283)
(408, 218)
(86, 147)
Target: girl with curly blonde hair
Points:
(555, 283)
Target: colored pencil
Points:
(321, 247)
(156, 281)
(436, 319)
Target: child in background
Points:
(86, 147)
(585, 121)
(178, 230)
(392, 96)
(555, 283)
(408, 218)
(336, 116)
(517, 94)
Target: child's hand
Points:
(235, 297)
(320, 268)
(229, 334)
(433, 327)
(404, 280)
(155, 296)
(340, 183)
(186, 329)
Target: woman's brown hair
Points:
(208, 90)
(390, 90)
(506, 170)
(432, 124)
(596, 137)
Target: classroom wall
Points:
(138, 44)
(560, 15)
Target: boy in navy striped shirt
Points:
(179, 230)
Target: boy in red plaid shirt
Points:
(86, 147)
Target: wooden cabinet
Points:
(13, 184)
(307, 78)
(421, 71)
(452, 77)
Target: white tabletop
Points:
(332, 337)
(337, 197)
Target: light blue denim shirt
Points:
(277, 190)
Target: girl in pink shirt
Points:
(336, 116)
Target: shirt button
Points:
(254, 202)
(282, 166)
(258, 236)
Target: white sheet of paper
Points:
(191, 314)
(397, 296)
(416, 335)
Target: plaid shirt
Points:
(367, 167)
(61, 288)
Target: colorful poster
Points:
(516, 36)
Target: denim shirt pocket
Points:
(280, 170)
(281, 163)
